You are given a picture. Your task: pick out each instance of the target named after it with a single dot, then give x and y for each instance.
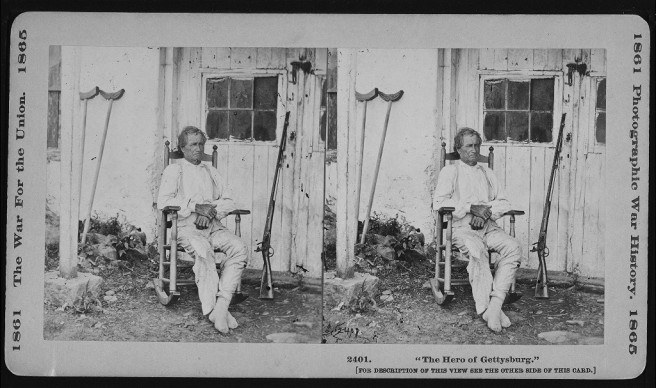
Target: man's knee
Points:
(237, 249)
(240, 247)
(512, 249)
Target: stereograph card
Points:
(330, 148)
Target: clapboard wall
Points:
(576, 233)
(249, 166)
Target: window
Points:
(241, 108)
(329, 103)
(54, 95)
(518, 109)
(600, 111)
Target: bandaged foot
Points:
(493, 314)
(221, 317)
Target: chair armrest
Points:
(446, 209)
(171, 209)
(240, 211)
(513, 213)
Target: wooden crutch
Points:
(111, 97)
(84, 97)
(390, 98)
(362, 98)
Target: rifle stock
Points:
(541, 286)
(266, 284)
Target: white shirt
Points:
(460, 185)
(185, 185)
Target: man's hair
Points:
(462, 132)
(186, 131)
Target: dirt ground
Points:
(136, 314)
(413, 316)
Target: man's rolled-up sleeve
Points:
(168, 192)
(443, 196)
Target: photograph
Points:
(492, 163)
(327, 195)
(168, 164)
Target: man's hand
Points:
(482, 211)
(477, 223)
(208, 210)
(202, 222)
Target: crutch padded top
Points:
(90, 94)
(367, 96)
(391, 97)
(112, 96)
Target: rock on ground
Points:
(336, 290)
(287, 338)
(559, 336)
(59, 291)
(103, 250)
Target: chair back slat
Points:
(215, 156)
(451, 156)
(177, 154)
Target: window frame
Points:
(593, 145)
(522, 76)
(251, 73)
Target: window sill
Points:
(485, 145)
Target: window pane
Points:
(264, 127)
(217, 92)
(331, 120)
(53, 119)
(600, 127)
(542, 94)
(518, 95)
(495, 94)
(241, 93)
(518, 126)
(494, 126)
(266, 92)
(216, 125)
(541, 127)
(322, 110)
(240, 124)
(601, 94)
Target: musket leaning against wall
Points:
(266, 285)
(541, 289)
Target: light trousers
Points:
(475, 245)
(200, 244)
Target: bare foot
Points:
(219, 316)
(232, 322)
(505, 321)
(493, 314)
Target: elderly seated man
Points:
(474, 192)
(204, 200)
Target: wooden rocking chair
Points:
(167, 283)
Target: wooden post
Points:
(69, 200)
(347, 222)
(574, 250)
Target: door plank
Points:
(518, 183)
(261, 195)
(537, 197)
(243, 57)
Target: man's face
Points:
(470, 149)
(194, 149)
